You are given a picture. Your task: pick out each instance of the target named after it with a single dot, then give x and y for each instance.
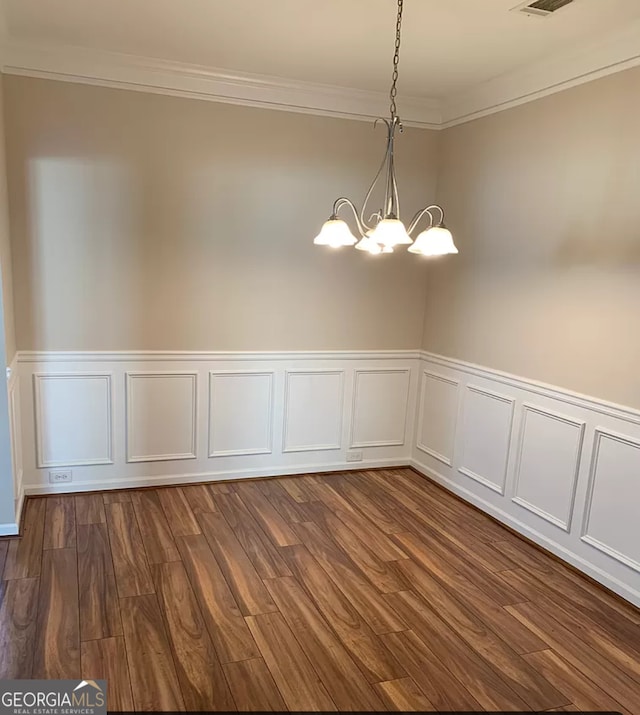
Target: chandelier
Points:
(384, 230)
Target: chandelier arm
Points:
(363, 213)
(422, 212)
(343, 201)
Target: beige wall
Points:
(142, 221)
(5, 251)
(544, 200)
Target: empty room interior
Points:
(321, 330)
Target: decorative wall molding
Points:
(121, 71)
(501, 473)
(76, 413)
(628, 497)
(535, 387)
(544, 468)
(245, 413)
(162, 422)
(146, 356)
(396, 418)
(325, 412)
(608, 54)
(442, 455)
(258, 414)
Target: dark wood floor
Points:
(361, 591)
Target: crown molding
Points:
(110, 69)
(609, 54)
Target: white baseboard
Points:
(197, 478)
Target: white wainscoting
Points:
(240, 413)
(380, 402)
(162, 416)
(119, 420)
(561, 468)
(13, 392)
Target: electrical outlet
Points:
(60, 476)
(354, 456)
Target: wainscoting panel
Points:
(612, 514)
(72, 419)
(546, 473)
(486, 437)
(313, 413)
(240, 413)
(380, 403)
(560, 468)
(134, 419)
(438, 415)
(162, 409)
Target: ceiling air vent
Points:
(542, 8)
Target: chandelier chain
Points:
(396, 61)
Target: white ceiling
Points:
(449, 46)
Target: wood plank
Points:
(106, 659)
(154, 528)
(363, 497)
(296, 489)
(451, 523)
(222, 616)
(200, 498)
(270, 520)
(403, 695)
(593, 664)
(367, 601)
(180, 516)
(18, 617)
(246, 585)
(153, 676)
(473, 599)
(491, 583)
(289, 509)
(99, 608)
(297, 681)
(217, 488)
(60, 523)
(57, 647)
(579, 601)
(625, 657)
(116, 497)
(342, 679)
(443, 690)
(514, 671)
(368, 531)
(368, 651)
(4, 547)
(383, 576)
(577, 688)
(252, 686)
(462, 661)
(90, 509)
(24, 556)
(133, 577)
(199, 672)
(262, 552)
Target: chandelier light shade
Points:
(384, 229)
(335, 233)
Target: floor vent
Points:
(542, 8)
